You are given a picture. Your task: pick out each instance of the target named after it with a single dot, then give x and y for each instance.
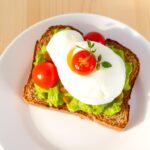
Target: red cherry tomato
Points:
(45, 75)
(83, 62)
(95, 36)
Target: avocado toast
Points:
(114, 114)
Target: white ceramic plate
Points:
(25, 127)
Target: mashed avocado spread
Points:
(54, 97)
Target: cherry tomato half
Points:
(83, 62)
(95, 36)
(45, 75)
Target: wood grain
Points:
(17, 15)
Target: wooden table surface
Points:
(17, 15)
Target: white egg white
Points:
(99, 87)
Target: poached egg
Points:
(99, 87)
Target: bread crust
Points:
(117, 121)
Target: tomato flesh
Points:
(95, 36)
(45, 75)
(83, 62)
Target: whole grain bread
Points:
(117, 121)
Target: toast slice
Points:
(117, 121)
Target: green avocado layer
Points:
(54, 97)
